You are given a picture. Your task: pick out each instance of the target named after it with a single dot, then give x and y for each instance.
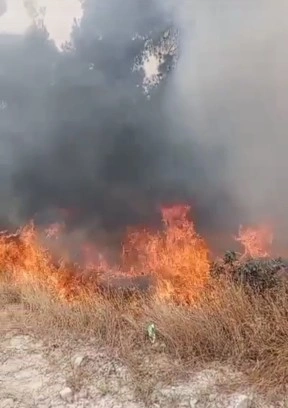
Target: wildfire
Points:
(55, 230)
(256, 241)
(29, 263)
(176, 257)
(93, 259)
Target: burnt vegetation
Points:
(258, 274)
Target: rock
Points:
(77, 361)
(241, 401)
(20, 343)
(193, 402)
(67, 394)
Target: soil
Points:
(47, 374)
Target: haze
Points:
(59, 17)
(212, 133)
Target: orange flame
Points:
(28, 262)
(256, 241)
(176, 256)
(93, 259)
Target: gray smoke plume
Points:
(230, 90)
(78, 132)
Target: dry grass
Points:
(228, 325)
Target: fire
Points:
(93, 259)
(55, 230)
(175, 256)
(256, 241)
(176, 215)
(28, 262)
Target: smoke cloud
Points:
(78, 131)
(231, 91)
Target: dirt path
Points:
(34, 374)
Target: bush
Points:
(258, 274)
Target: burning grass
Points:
(176, 259)
(203, 312)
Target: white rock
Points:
(20, 342)
(241, 401)
(193, 402)
(67, 394)
(77, 361)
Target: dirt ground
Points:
(56, 373)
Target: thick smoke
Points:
(231, 91)
(78, 132)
